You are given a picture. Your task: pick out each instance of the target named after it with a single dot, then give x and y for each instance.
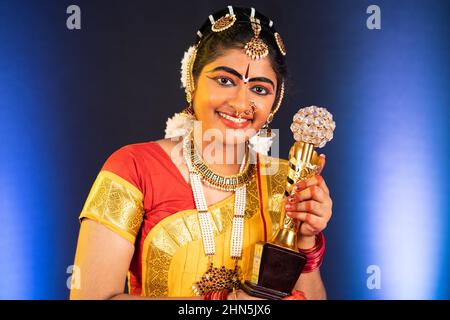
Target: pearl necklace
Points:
(216, 278)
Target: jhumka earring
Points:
(263, 140)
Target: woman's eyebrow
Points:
(262, 79)
(226, 69)
(237, 74)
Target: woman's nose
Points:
(240, 101)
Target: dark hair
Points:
(212, 45)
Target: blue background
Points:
(70, 98)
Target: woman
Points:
(156, 216)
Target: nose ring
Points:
(247, 112)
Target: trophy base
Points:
(260, 292)
(275, 271)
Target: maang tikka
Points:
(256, 48)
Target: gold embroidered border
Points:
(179, 229)
(276, 184)
(115, 203)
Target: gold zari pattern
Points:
(173, 257)
(115, 203)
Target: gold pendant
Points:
(218, 279)
(256, 49)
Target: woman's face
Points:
(228, 87)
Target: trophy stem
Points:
(300, 156)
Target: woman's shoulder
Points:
(141, 151)
(141, 163)
(133, 161)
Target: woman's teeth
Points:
(236, 120)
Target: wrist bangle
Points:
(314, 255)
(224, 294)
(207, 295)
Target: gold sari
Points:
(170, 258)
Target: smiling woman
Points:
(180, 217)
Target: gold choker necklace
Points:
(218, 181)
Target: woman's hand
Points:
(311, 204)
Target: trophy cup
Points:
(278, 264)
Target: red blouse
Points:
(145, 165)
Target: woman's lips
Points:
(233, 122)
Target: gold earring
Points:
(189, 111)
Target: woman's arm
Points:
(310, 283)
(312, 206)
(103, 258)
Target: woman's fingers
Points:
(307, 230)
(316, 180)
(314, 192)
(310, 203)
(315, 222)
(311, 206)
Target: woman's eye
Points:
(223, 81)
(260, 90)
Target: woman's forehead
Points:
(239, 61)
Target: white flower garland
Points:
(180, 125)
(261, 144)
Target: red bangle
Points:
(296, 295)
(314, 255)
(207, 295)
(224, 294)
(216, 295)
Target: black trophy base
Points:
(260, 292)
(277, 271)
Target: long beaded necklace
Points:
(216, 278)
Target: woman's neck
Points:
(225, 159)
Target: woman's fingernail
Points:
(288, 206)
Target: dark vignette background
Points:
(68, 99)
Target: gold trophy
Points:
(278, 264)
